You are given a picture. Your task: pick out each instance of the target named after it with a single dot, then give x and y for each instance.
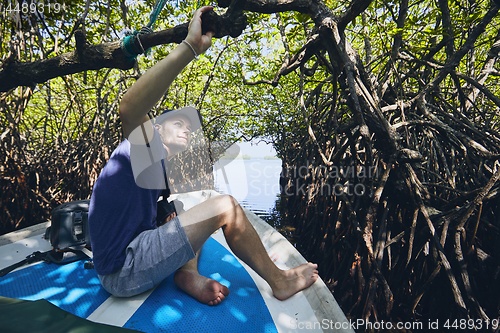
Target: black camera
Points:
(164, 209)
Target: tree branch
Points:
(290, 64)
(356, 8)
(108, 55)
(274, 6)
(453, 61)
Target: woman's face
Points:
(175, 133)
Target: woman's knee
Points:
(226, 201)
(226, 204)
(214, 212)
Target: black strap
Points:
(65, 256)
(166, 191)
(34, 257)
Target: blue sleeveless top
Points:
(123, 202)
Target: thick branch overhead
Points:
(106, 55)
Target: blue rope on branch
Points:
(156, 12)
(131, 44)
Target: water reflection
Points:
(255, 184)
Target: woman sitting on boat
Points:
(131, 253)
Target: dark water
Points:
(253, 182)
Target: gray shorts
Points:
(151, 257)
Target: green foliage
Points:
(62, 108)
(55, 137)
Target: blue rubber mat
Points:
(70, 286)
(168, 309)
(78, 291)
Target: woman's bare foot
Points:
(203, 289)
(295, 280)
